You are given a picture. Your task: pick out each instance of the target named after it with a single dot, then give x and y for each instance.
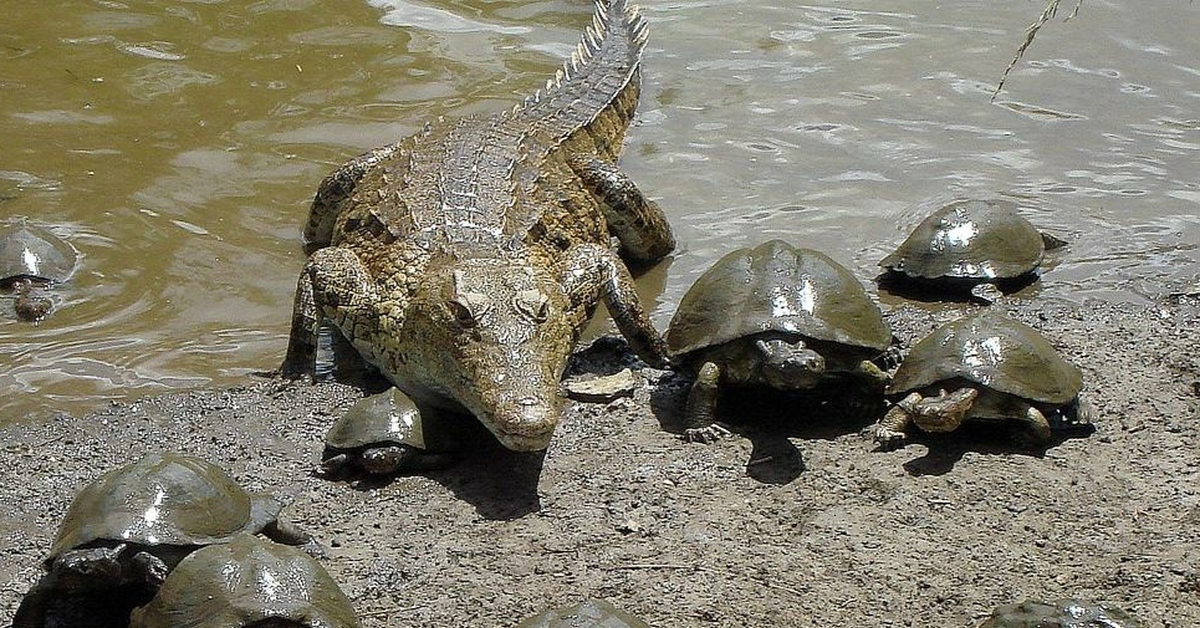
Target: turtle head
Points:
(788, 364)
(944, 412)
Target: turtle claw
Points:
(707, 434)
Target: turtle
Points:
(32, 258)
(591, 613)
(247, 582)
(382, 434)
(1065, 613)
(786, 317)
(982, 367)
(128, 528)
(983, 247)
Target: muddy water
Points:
(176, 144)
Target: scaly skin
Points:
(464, 261)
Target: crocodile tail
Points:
(592, 98)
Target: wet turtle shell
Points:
(163, 499)
(28, 252)
(970, 241)
(993, 351)
(390, 417)
(586, 614)
(245, 582)
(776, 287)
(385, 433)
(1066, 613)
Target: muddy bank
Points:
(799, 525)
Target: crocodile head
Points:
(494, 336)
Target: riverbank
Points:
(804, 525)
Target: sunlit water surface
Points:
(176, 145)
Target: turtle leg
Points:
(335, 188)
(638, 222)
(32, 611)
(283, 531)
(1039, 427)
(593, 272)
(890, 431)
(335, 284)
(987, 292)
(700, 415)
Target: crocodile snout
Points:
(527, 425)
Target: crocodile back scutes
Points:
(601, 77)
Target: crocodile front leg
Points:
(637, 221)
(593, 272)
(333, 284)
(335, 188)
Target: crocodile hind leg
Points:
(336, 187)
(592, 273)
(333, 284)
(637, 221)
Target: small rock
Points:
(602, 387)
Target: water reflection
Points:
(179, 145)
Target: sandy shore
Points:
(788, 523)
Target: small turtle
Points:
(32, 258)
(128, 528)
(983, 246)
(247, 582)
(586, 614)
(1066, 613)
(775, 315)
(985, 367)
(383, 434)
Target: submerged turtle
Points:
(128, 528)
(586, 614)
(383, 434)
(986, 367)
(1066, 613)
(32, 258)
(983, 246)
(247, 582)
(775, 315)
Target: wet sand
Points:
(794, 522)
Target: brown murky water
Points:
(177, 143)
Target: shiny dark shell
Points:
(992, 350)
(1060, 614)
(33, 253)
(245, 581)
(163, 499)
(390, 417)
(586, 614)
(776, 287)
(970, 239)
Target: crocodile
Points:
(465, 260)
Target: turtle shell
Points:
(992, 350)
(781, 288)
(245, 581)
(970, 239)
(388, 417)
(1065, 613)
(163, 499)
(591, 612)
(30, 252)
